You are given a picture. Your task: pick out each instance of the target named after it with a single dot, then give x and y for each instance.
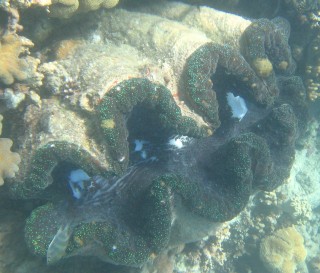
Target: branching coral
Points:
(16, 64)
(299, 209)
(8, 160)
(11, 66)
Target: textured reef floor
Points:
(159, 137)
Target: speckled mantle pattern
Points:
(174, 80)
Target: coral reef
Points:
(312, 69)
(283, 251)
(13, 99)
(293, 203)
(299, 209)
(191, 66)
(263, 45)
(12, 8)
(259, 52)
(8, 160)
(12, 67)
(141, 76)
(15, 60)
(159, 193)
(306, 10)
(66, 8)
(182, 69)
(304, 22)
(305, 19)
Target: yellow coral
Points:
(11, 66)
(283, 251)
(108, 124)
(63, 8)
(110, 3)
(66, 8)
(263, 67)
(8, 160)
(283, 65)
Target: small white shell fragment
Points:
(178, 142)
(238, 106)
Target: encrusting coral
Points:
(283, 251)
(16, 63)
(147, 77)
